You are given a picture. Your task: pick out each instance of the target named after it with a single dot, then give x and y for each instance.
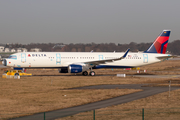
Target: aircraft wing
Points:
(93, 63)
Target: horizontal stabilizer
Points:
(165, 57)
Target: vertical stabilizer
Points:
(160, 44)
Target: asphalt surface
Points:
(147, 91)
(2, 66)
(157, 76)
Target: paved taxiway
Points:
(156, 76)
(147, 91)
(2, 66)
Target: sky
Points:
(87, 21)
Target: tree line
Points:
(173, 47)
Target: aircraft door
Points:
(23, 57)
(58, 58)
(100, 57)
(145, 58)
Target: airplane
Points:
(82, 62)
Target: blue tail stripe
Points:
(162, 46)
(165, 33)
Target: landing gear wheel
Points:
(16, 74)
(92, 73)
(85, 73)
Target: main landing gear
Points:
(92, 73)
(85, 73)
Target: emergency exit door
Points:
(58, 58)
(145, 58)
(23, 57)
(100, 57)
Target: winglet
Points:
(126, 53)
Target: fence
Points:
(113, 114)
(129, 114)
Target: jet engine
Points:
(73, 68)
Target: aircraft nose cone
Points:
(4, 62)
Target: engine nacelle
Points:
(74, 68)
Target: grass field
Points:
(34, 94)
(47, 90)
(156, 107)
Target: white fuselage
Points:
(63, 59)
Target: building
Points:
(24, 50)
(36, 50)
(19, 50)
(1, 48)
(6, 50)
(13, 50)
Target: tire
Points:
(85, 73)
(92, 73)
(16, 74)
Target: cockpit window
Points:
(12, 57)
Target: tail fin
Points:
(160, 44)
